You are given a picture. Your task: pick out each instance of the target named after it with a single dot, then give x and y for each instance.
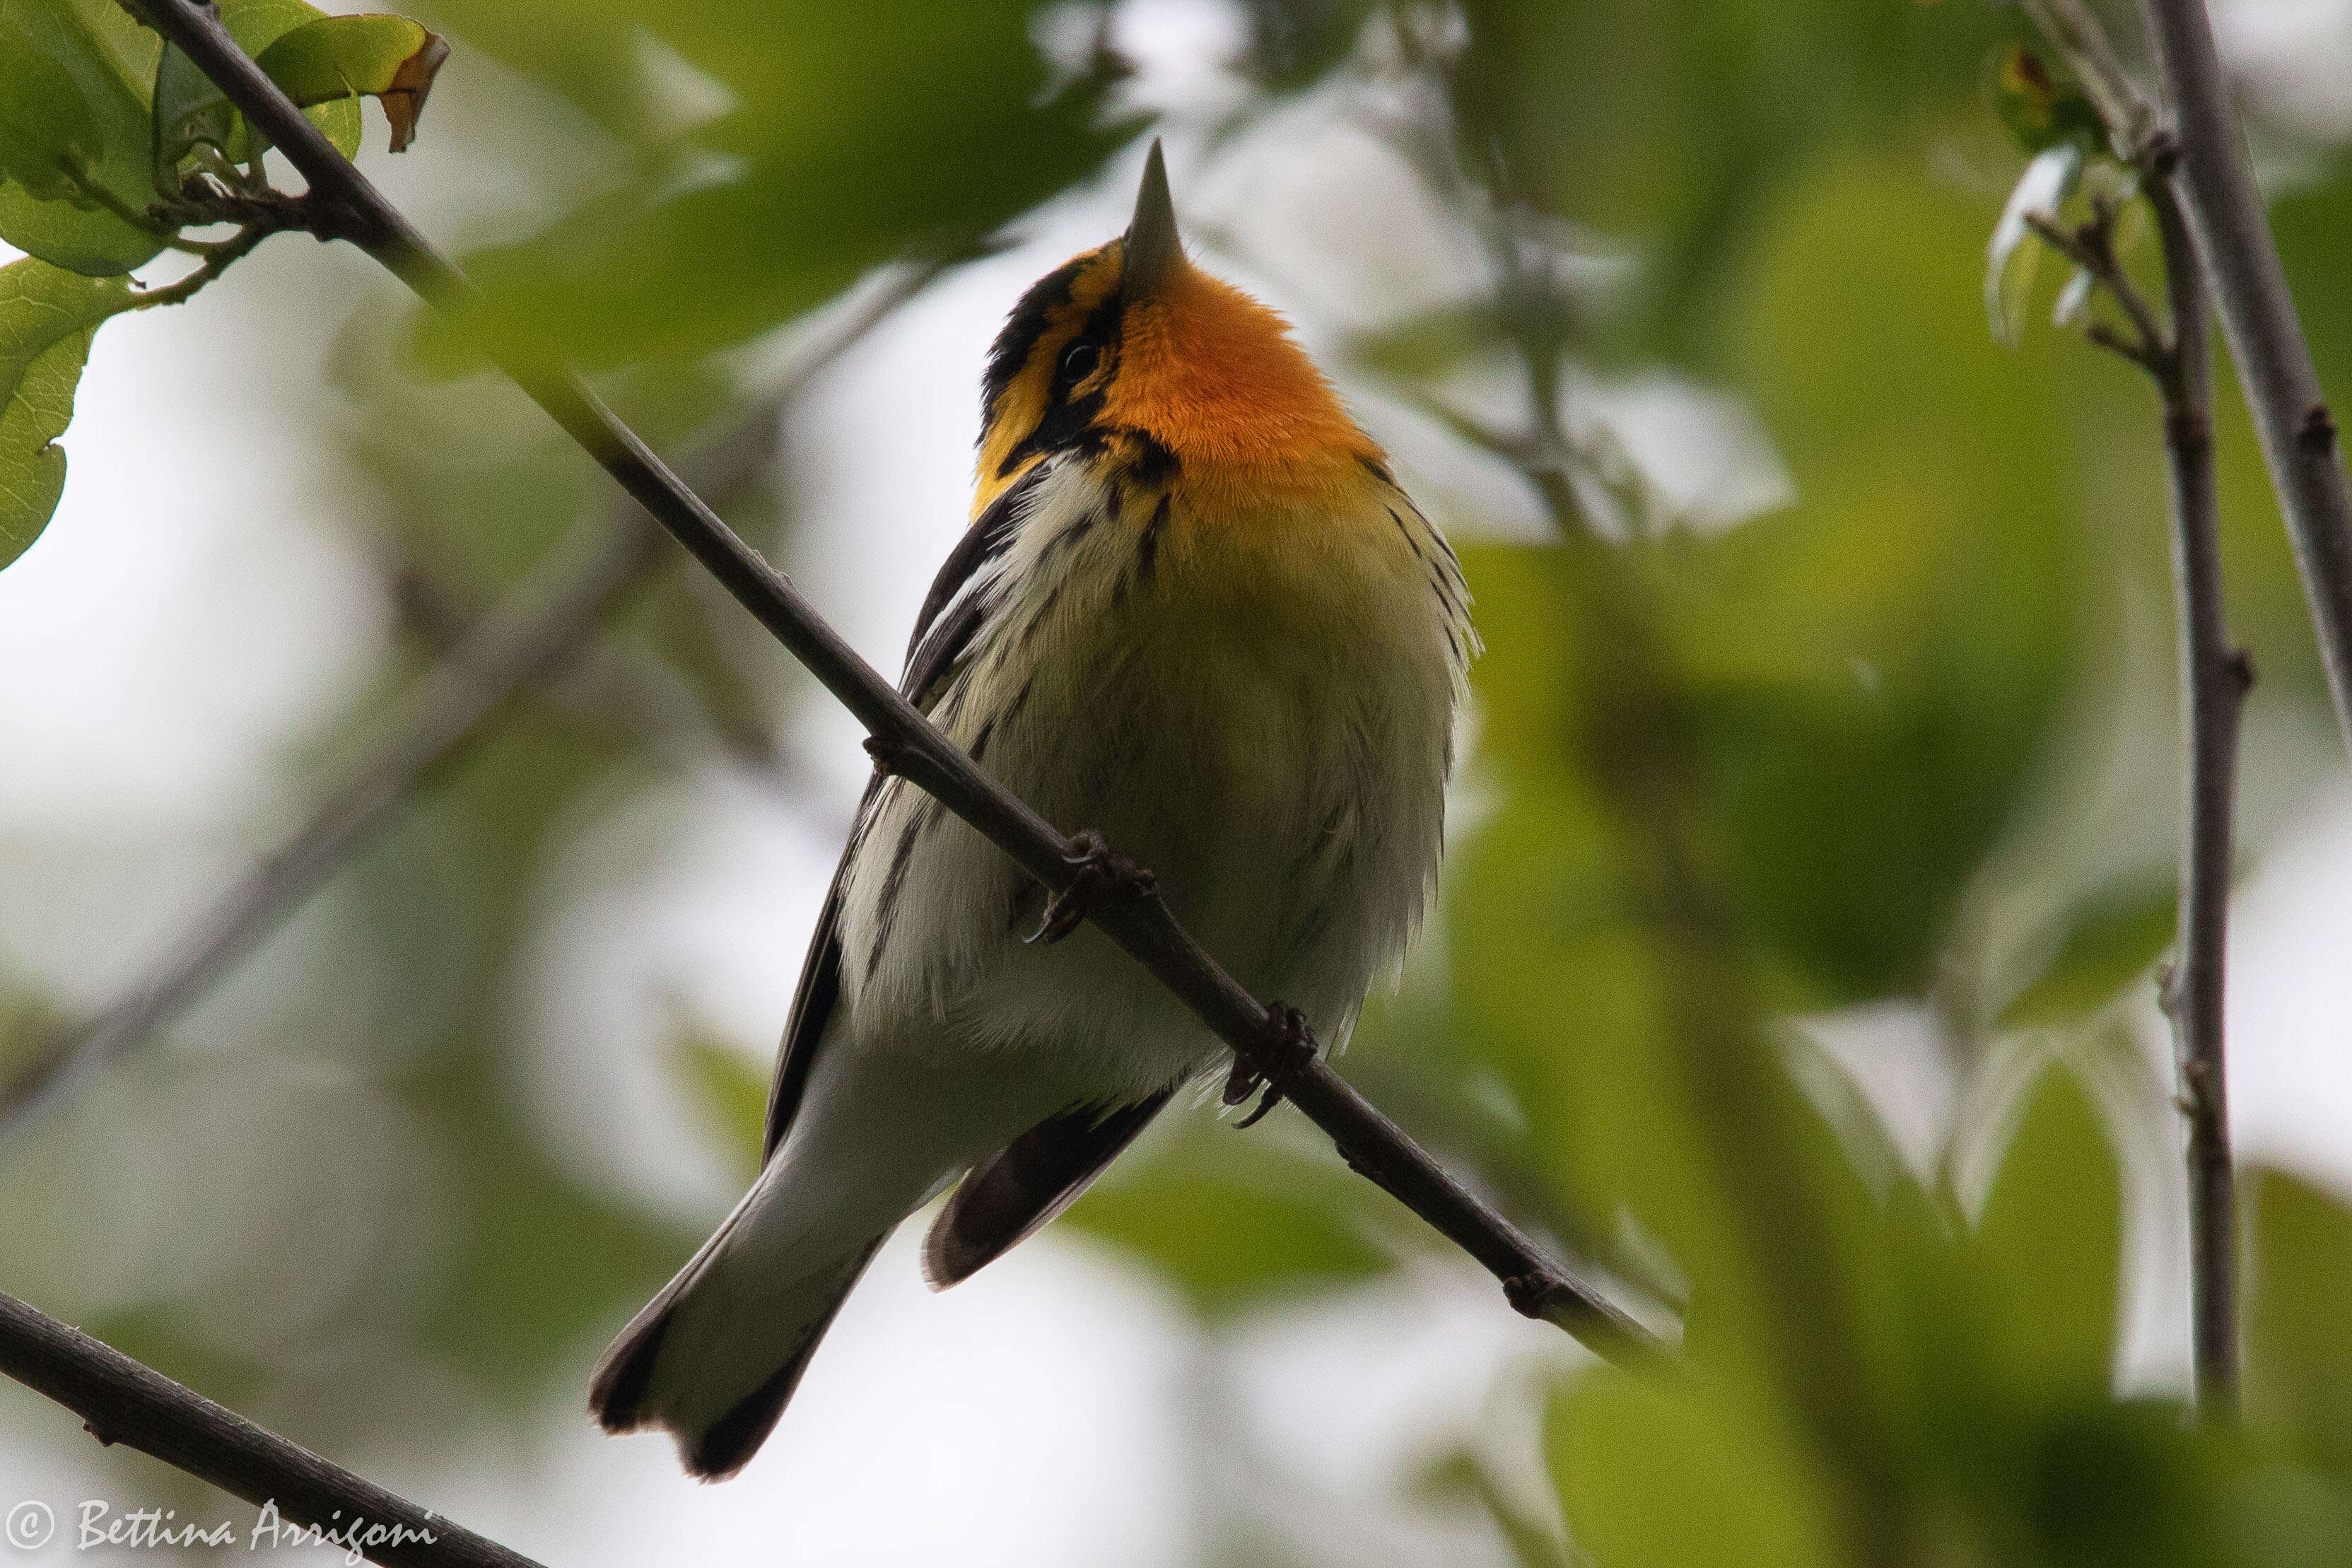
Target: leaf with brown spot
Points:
(390, 59)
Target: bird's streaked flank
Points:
(1192, 611)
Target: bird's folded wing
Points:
(951, 613)
(1037, 1176)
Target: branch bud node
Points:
(2317, 435)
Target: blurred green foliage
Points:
(1881, 661)
(1676, 124)
(766, 155)
(1725, 783)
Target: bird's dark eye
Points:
(1079, 363)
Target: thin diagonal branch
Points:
(542, 626)
(612, 687)
(121, 1401)
(345, 204)
(2240, 258)
(544, 621)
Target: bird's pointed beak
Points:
(1154, 252)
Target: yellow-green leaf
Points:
(1678, 1475)
(391, 59)
(2051, 1235)
(48, 315)
(2042, 110)
(1231, 1223)
(731, 1092)
(2112, 939)
(74, 78)
(258, 24)
(189, 112)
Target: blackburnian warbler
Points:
(1194, 612)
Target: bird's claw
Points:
(1289, 1044)
(1105, 876)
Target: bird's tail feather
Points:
(714, 1321)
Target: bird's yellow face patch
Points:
(1196, 371)
(1040, 376)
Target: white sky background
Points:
(194, 617)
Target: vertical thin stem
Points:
(2214, 675)
(2210, 222)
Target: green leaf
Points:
(2114, 935)
(1678, 1474)
(86, 94)
(74, 81)
(1877, 666)
(256, 24)
(189, 112)
(88, 240)
(1231, 1223)
(821, 140)
(48, 316)
(732, 1092)
(2298, 1354)
(2050, 1243)
(390, 59)
(2040, 110)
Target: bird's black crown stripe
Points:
(1027, 323)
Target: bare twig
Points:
(2091, 245)
(217, 259)
(121, 1401)
(2214, 675)
(2231, 230)
(614, 688)
(345, 204)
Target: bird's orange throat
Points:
(1197, 372)
(1214, 376)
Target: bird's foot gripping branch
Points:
(1289, 1047)
(1101, 876)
